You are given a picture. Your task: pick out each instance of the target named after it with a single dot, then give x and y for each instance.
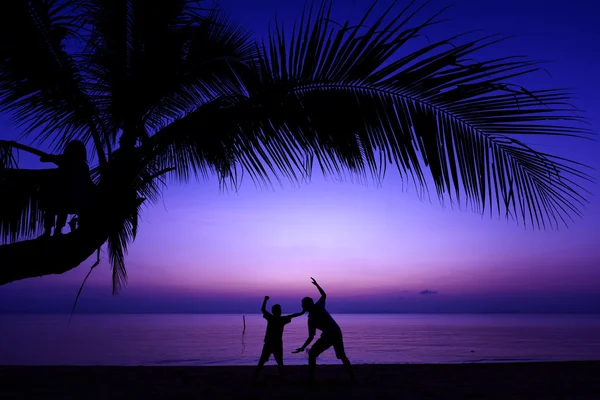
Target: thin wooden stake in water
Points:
(244, 319)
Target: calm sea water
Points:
(193, 339)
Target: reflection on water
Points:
(243, 333)
(195, 339)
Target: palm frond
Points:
(118, 243)
(201, 143)
(337, 95)
(40, 83)
(147, 187)
(160, 60)
(20, 215)
(8, 159)
(215, 52)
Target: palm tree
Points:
(190, 93)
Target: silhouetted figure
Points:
(124, 168)
(69, 188)
(331, 334)
(126, 159)
(273, 336)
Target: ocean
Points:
(201, 339)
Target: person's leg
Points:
(73, 223)
(312, 365)
(264, 357)
(48, 198)
(348, 367)
(319, 347)
(259, 367)
(278, 355)
(61, 221)
(49, 218)
(340, 353)
(59, 198)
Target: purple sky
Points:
(372, 249)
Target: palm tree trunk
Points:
(48, 255)
(113, 201)
(59, 254)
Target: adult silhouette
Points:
(331, 334)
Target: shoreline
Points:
(113, 312)
(184, 364)
(513, 380)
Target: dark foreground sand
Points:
(560, 380)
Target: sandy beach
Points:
(556, 380)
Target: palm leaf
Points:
(146, 187)
(336, 94)
(40, 82)
(20, 216)
(7, 157)
(201, 143)
(214, 53)
(161, 59)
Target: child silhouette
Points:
(273, 336)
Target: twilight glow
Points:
(371, 248)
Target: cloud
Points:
(427, 292)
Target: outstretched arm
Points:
(301, 349)
(44, 157)
(321, 291)
(296, 315)
(23, 147)
(51, 158)
(311, 335)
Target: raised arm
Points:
(321, 291)
(266, 314)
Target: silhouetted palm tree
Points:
(189, 92)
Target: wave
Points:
(504, 360)
(198, 361)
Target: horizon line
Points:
(6, 312)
